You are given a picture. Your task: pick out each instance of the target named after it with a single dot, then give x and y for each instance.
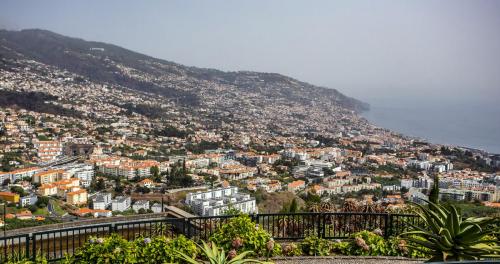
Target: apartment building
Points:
(101, 201)
(78, 197)
(49, 176)
(48, 150)
(121, 203)
(142, 204)
(83, 172)
(214, 202)
(47, 189)
(130, 169)
(236, 172)
(19, 174)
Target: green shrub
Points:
(19, 257)
(341, 247)
(110, 250)
(164, 250)
(25, 261)
(366, 243)
(241, 234)
(315, 246)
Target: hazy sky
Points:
(372, 50)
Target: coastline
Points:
(417, 124)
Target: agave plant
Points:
(218, 256)
(448, 237)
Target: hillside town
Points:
(75, 146)
(56, 168)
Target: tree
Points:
(434, 193)
(18, 190)
(118, 186)
(140, 189)
(232, 211)
(6, 182)
(98, 185)
(42, 202)
(32, 208)
(293, 207)
(155, 172)
(210, 179)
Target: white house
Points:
(156, 208)
(142, 204)
(121, 203)
(101, 201)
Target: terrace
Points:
(55, 244)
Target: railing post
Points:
(27, 246)
(187, 229)
(320, 232)
(323, 235)
(255, 218)
(33, 238)
(388, 225)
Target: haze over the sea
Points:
(468, 124)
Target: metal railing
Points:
(296, 226)
(56, 244)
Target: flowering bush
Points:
(366, 243)
(315, 246)
(164, 250)
(113, 249)
(291, 250)
(241, 234)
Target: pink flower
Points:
(231, 254)
(378, 231)
(361, 243)
(270, 245)
(237, 243)
(402, 246)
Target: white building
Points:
(214, 202)
(101, 201)
(84, 172)
(141, 204)
(121, 203)
(156, 208)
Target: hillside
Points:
(219, 97)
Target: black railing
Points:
(296, 226)
(55, 244)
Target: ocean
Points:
(468, 125)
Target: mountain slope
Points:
(75, 55)
(215, 95)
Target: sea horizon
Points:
(472, 125)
